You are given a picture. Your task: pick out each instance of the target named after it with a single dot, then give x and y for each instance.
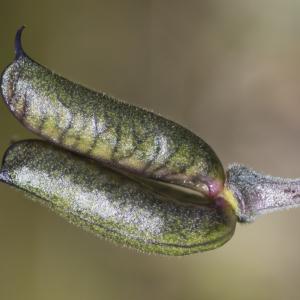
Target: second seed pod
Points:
(130, 212)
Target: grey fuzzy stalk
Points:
(258, 194)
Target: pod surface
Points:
(106, 129)
(114, 206)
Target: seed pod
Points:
(124, 210)
(129, 208)
(108, 130)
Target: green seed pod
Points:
(149, 203)
(103, 128)
(126, 210)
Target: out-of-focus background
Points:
(229, 71)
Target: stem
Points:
(258, 194)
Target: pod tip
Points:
(18, 43)
(4, 177)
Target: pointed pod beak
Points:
(18, 43)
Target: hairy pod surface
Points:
(103, 128)
(125, 210)
(165, 190)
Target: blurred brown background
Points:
(228, 70)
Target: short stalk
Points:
(258, 194)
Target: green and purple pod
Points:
(108, 130)
(125, 173)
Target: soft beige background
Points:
(228, 70)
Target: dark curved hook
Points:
(18, 43)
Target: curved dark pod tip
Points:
(18, 43)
